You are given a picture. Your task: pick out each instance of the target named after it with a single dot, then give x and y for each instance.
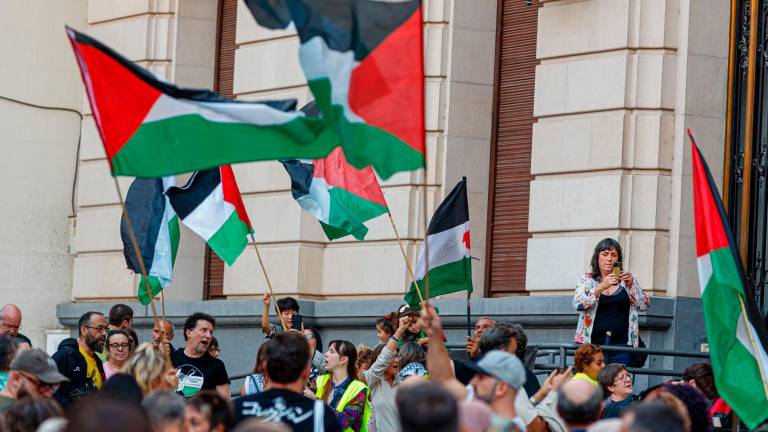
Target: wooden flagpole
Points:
(269, 283)
(142, 268)
(405, 257)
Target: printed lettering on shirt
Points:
(279, 411)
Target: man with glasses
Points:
(10, 320)
(77, 360)
(32, 374)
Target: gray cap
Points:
(36, 362)
(503, 366)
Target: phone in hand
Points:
(617, 267)
(297, 321)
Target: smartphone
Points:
(296, 322)
(617, 269)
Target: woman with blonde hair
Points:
(151, 369)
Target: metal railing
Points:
(558, 357)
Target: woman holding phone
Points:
(608, 299)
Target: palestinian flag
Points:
(339, 195)
(210, 205)
(735, 332)
(156, 227)
(363, 61)
(450, 269)
(150, 128)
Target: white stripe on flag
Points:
(318, 201)
(167, 107)
(445, 247)
(318, 62)
(210, 215)
(743, 336)
(704, 264)
(162, 261)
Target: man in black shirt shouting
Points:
(282, 402)
(196, 368)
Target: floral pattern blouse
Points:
(586, 303)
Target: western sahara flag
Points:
(363, 61)
(157, 232)
(339, 195)
(150, 128)
(450, 269)
(210, 205)
(735, 332)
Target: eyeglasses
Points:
(120, 346)
(98, 329)
(10, 326)
(42, 387)
(309, 336)
(619, 378)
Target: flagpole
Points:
(269, 283)
(405, 256)
(424, 137)
(142, 268)
(162, 302)
(748, 325)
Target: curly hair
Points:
(584, 355)
(694, 401)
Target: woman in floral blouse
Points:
(608, 304)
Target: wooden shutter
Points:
(510, 170)
(224, 74)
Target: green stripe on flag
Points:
(230, 240)
(446, 279)
(737, 374)
(365, 144)
(173, 231)
(154, 286)
(347, 214)
(189, 142)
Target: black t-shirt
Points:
(286, 407)
(612, 315)
(195, 374)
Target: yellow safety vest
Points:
(353, 389)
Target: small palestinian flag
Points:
(150, 128)
(450, 269)
(735, 331)
(210, 205)
(156, 227)
(363, 61)
(339, 195)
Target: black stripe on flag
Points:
(145, 205)
(453, 211)
(187, 198)
(168, 88)
(301, 174)
(344, 25)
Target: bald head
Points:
(579, 403)
(10, 320)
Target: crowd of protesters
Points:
(106, 379)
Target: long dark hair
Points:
(604, 245)
(261, 360)
(345, 349)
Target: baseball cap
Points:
(503, 366)
(36, 362)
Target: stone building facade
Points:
(615, 83)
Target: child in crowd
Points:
(384, 328)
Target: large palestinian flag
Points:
(735, 332)
(363, 61)
(210, 205)
(150, 128)
(450, 269)
(339, 195)
(156, 227)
